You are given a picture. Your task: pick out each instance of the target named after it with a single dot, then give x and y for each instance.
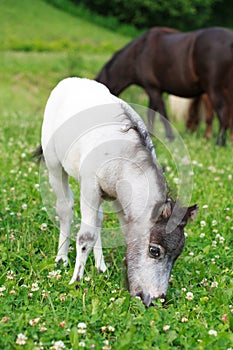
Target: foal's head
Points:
(150, 257)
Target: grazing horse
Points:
(182, 64)
(102, 142)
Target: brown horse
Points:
(182, 64)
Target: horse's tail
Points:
(38, 153)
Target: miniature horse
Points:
(101, 141)
(182, 64)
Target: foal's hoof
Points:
(61, 259)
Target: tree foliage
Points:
(181, 14)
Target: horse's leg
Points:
(156, 103)
(220, 104)
(98, 252)
(231, 112)
(88, 233)
(193, 115)
(64, 207)
(209, 116)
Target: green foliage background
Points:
(181, 14)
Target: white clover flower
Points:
(10, 275)
(166, 327)
(34, 321)
(202, 223)
(82, 328)
(35, 287)
(106, 345)
(82, 325)
(82, 344)
(214, 244)
(43, 227)
(213, 332)
(184, 319)
(214, 222)
(221, 240)
(21, 339)
(24, 206)
(205, 206)
(189, 296)
(2, 289)
(202, 235)
(43, 328)
(214, 284)
(55, 274)
(57, 345)
(111, 329)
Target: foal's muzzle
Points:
(148, 301)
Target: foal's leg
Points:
(64, 208)
(88, 233)
(98, 252)
(156, 104)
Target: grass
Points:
(39, 303)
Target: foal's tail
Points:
(38, 153)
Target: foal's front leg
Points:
(98, 252)
(88, 233)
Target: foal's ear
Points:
(167, 210)
(192, 212)
(190, 215)
(161, 211)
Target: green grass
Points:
(28, 250)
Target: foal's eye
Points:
(154, 251)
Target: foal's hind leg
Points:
(64, 208)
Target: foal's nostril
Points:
(145, 298)
(148, 301)
(161, 298)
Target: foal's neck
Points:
(138, 194)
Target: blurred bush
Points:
(181, 14)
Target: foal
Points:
(99, 140)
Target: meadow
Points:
(40, 45)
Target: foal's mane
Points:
(145, 146)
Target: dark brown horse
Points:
(182, 64)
